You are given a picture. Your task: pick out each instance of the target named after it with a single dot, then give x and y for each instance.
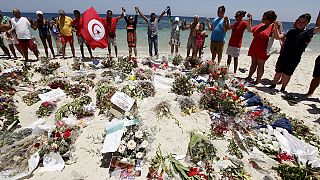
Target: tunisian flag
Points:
(93, 30)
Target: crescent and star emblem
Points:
(96, 29)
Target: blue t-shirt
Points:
(217, 32)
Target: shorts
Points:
(316, 70)
(65, 39)
(112, 41)
(175, 42)
(233, 51)
(286, 67)
(216, 47)
(191, 42)
(11, 40)
(81, 41)
(27, 43)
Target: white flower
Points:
(121, 148)
(139, 155)
(131, 144)
(138, 134)
(54, 146)
(144, 144)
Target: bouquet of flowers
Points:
(205, 68)
(8, 138)
(108, 63)
(200, 148)
(61, 139)
(237, 86)
(182, 86)
(234, 150)
(124, 65)
(59, 83)
(177, 60)
(142, 74)
(76, 108)
(187, 105)
(266, 144)
(214, 98)
(32, 97)
(77, 90)
(47, 68)
(192, 62)
(133, 143)
(76, 65)
(46, 109)
(104, 92)
(8, 112)
(235, 172)
(219, 73)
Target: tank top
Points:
(44, 28)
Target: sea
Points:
(164, 35)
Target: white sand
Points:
(167, 134)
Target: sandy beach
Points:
(167, 135)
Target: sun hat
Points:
(176, 19)
(61, 12)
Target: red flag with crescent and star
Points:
(93, 30)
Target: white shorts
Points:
(9, 41)
(233, 51)
(112, 41)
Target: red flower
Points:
(58, 135)
(36, 145)
(235, 97)
(230, 94)
(193, 171)
(45, 104)
(212, 89)
(59, 123)
(241, 85)
(285, 157)
(223, 96)
(67, 134)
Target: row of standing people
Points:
(294, 42)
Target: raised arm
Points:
(141, 14)
(249, 22)
(317, 28)
(277, 33)
(161, 15)
(122, 13)
(209, 24)
(226, 24)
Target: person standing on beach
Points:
(296, 41)
(316, 71)
(77, 24)
(56, 35)
(258, 47)
(43, 26)
(65, 27)
(175, 36)
(235, 41)
(132, 35)
(21, 26)
(111, 26)
(194, 30)
(219, 27)
(153, 23)
(11, 41)
(200, 39)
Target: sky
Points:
(287, 10)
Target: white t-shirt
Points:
(21, 25)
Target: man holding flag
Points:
(93, 30)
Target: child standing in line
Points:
(201, 38)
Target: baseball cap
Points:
(176, 19)
(39, 12)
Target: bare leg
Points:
(172, 48)
(135, 52)
(89, 50)
(260, 70)
(18, 48)
(72, 50)
(6, 51)
(177, 49)
(63, 50)
(188, 52)
(81, 50)
(51, 46)
(219, 58)
(276, 79)
(11, 47)
(229, 61)
(44, 43)
(130, 53)
(116, 50)
(253, 67)
(285, 81)
(109, 50)
(235, 67)
(313, 85)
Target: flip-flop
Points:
(243, 70)
(292, 100)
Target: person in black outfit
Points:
(131, 34)
(296, 41)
